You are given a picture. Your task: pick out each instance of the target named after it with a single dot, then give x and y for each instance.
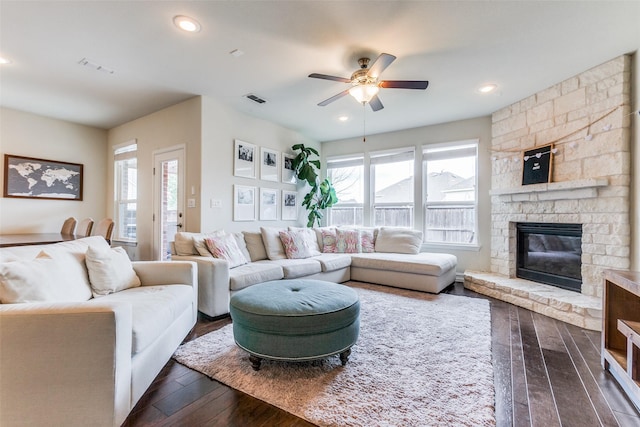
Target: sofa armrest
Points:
(213, 283)
(65, 363)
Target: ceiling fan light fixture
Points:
(187, 24)
(364, 93)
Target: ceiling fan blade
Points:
(326, 77)
(380, 64)
(376, 104)
(333, 98)
(404, 84)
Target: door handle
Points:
(179, 225)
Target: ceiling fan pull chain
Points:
(364, 123)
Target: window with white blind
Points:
(347, 176)
(451, 183)
(126, 191)
(392, 187)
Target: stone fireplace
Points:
(586, 122)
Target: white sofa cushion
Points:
(110, 271)
(58, 276)
(153, 308)
(398, 240)
(426, 263)
(294, 268)
(333, 262)
(253, 273)
(255, 246)
(272, 243)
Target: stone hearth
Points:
(586, 118)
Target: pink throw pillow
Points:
(226, 247)
(297, 244)
(348, 241)
(329, 241)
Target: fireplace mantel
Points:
(566, 190)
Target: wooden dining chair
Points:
(84, 228)
(104, 228)
(68, 226)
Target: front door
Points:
(168, 217)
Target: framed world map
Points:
(28, 177)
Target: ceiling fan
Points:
(365, 84)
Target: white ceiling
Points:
(523, 46)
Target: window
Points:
(347, 177)
(451, 193)
(392, 187)
(126, 191)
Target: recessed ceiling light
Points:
(4, 61)
(186, 24)
(343, 118)
(488, 88)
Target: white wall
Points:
(30, 135)
(479, 128)
(172, 126)
(220, 127)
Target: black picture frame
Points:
(34, 178)
(538, 164)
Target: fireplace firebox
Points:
(550, 254)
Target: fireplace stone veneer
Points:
(587, 119)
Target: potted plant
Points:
(322, 195)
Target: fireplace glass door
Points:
(550, 254)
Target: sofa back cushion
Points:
(110, 271)
(255, 245)
(47, 273)
(398, 240)
(183, 243)
(272, 243)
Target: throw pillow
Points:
(198, 241)
(348, 241)
(368, 240)
(183, 243)
(329, 241)
(272, 243)
(43, 279)
(311, 238)
(398, 240)
(225, 247)
(298, 245)
(110, 271)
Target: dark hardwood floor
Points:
(546, 372)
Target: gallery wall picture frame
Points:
(537, 165)
(269, 164)
(289, 205)
(244, 159)
(288, 175)
(34, 178)
(244, 203)
(268, 204)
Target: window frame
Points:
(121, 153)
(351, 160)
(394, 155)
(468, 144)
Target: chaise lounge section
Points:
(386, 255)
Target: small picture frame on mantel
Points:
(537, 165)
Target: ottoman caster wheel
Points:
(255, 362)
(344, 356)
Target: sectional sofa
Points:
(84, 332)
(385, 255)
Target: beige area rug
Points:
(420, 360)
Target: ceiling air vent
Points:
(255, 98)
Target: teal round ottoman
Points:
(295, 320)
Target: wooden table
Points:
(25, 239)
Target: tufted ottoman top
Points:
(295, 307)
